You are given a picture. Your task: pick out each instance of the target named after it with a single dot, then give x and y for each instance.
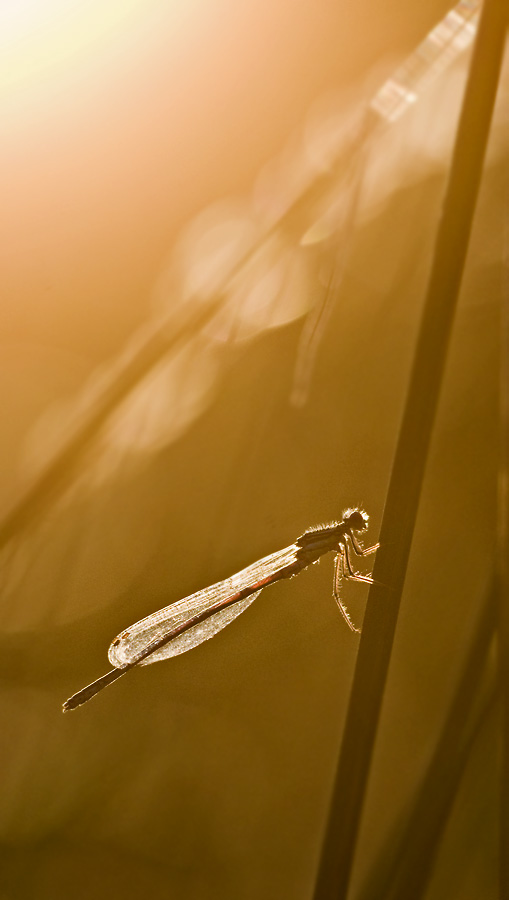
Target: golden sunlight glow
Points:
(39, 37)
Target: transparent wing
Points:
(182, 642)
(131, 643)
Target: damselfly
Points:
(188, 622)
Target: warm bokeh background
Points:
(209, 775)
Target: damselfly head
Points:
(356, 519)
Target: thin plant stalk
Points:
(410, 458)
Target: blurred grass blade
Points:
(404, 864)
(414, 882)
(503, 550)
(411, 455)
(315, 326)
(59, 472)
(294, 220)
(154, 347)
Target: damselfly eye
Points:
(356, 519)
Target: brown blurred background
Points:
(209, 775)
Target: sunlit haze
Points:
(40, 37)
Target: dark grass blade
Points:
(414, 882)
(406, 859)
(411, 455)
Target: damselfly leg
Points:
(362, 551)
(344, 569)
(339, 573)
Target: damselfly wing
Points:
(130, 644)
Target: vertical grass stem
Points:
(411, 454)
